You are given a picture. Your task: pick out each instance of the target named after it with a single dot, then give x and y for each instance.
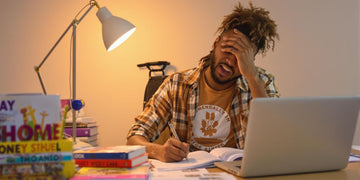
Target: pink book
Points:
(82, 132)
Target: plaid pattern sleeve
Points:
(155, 115)
(241, 104)
(170, 102)
(268, 78)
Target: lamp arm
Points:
(41, 82)
(72, 24)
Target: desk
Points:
(351, 172)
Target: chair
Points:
(153, 84)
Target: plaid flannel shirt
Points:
(177, 99)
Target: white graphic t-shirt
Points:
(212, 125)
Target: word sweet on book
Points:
(124, 163)
(110, 152)
(200, 159)
(28, 117)
(35, 146)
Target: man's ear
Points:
(216, 41)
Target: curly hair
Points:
(255, 23)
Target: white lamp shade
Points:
(115, 30)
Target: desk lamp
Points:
(115, 30)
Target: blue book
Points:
(7, 159)
(109, 152)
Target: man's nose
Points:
(231, 60)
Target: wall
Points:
(317, 55)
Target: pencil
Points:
(172, 129)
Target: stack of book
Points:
(120, 162)
(86, 127)
(111, 156)
(31, 136)
(86, 130)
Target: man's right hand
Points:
(172, 150)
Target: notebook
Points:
(296, 135)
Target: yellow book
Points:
(64, 169)
(140, 172)
(35, 146)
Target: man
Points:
(209, 104)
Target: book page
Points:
(196, 159)
(227, 153)
(192, 174)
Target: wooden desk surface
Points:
(351, 172)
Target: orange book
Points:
(122, 163)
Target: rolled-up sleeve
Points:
(271, 89)
(157, 112)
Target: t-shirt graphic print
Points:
(211, 127)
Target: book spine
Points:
(99, 155)
(111, 176)
(36, 146)
(123, 163)
(84, 132)
(65, 169)
(8, 159)
(80, 125)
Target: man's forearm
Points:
(151, 148)
(257, 87)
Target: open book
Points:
(200, 159)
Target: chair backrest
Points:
(154, 81)
(151, 87)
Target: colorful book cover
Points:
(140, 172)
(8, 159)
(36, 146)
(65, 169)
(82, 132)
(124, 163)
(27, 117)
(110, 152)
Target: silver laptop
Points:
(297, 135)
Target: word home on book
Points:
(29, 117)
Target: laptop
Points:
(292, 135)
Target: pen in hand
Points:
(172, 129)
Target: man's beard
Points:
(212, 71)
